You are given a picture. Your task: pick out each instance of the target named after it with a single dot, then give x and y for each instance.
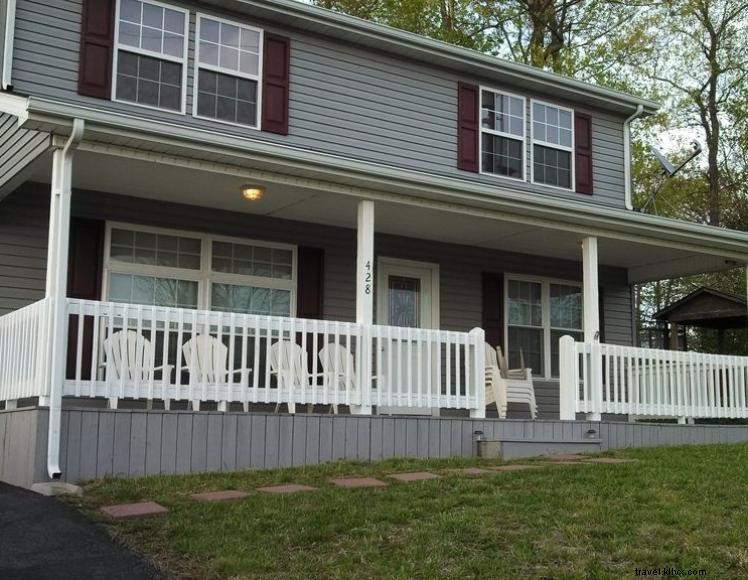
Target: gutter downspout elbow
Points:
(627, 156)
(62, 183)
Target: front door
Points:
(405, 293)
(408, 296)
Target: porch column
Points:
(365, 300)
(57, 266)
(365, 264)
(591, 319)
(591, 299)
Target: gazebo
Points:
(705, 308)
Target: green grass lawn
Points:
(683, 508)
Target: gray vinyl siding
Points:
(18, 147)
(23, 249)
(344, 100)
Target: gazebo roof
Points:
(708, 308)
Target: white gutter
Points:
(627, 156)
(62, 167)
(10, 30)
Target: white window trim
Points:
(218, 69)
(204, 277)
(522, 139)
(534, 142)
(545, 300)
(183, 60)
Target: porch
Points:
(409, 341)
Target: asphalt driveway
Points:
(41, 537)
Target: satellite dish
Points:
(668, 170)
(667, 167)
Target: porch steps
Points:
(506, 449)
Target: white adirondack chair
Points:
(206, 359)
(518, 384)
(495, 385)
(335, 356)
(129, 360)
(288, 362)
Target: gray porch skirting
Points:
(129, 443)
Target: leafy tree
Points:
(701, 59)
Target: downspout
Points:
(62, 165)
(627, 156)
(10, 31)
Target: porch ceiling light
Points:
(253, 192)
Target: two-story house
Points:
(241, 205)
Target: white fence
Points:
(603, 378)
(122, 351)
(25, 352)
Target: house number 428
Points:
(367, 277)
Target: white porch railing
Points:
(603, 378)
(377, 365)
(24, 352)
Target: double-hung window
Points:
(251, 278)
(539, 313)
(502, 140)
(185, 270)
(150, 54)
(227, 70)
(553, 145)
(154, 268)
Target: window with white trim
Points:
(150, 54)
(180, 269)
(553, 145)
(539, 313)
(502, 141)
(227, 71)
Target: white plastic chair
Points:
(129, 359)
(288, 362)
(335, 356)
(518, 384)
(495, 386)
(206, 359)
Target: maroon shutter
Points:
(467, 127)
(583, 152)
(275, 82)
(493, 299)
(310, 283)
(97, 42)
(85, 267)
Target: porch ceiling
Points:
(207, 187)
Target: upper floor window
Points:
(553, 143)
(502, 141)
(150, 54)
(227, 71)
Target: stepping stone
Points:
(566, 457)
(286, 488)
(610, 460)
(470, 471)
(358, 482)
(515, 467)
(134, 510)
(559, 462)
(414, 476)
(228, 495)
